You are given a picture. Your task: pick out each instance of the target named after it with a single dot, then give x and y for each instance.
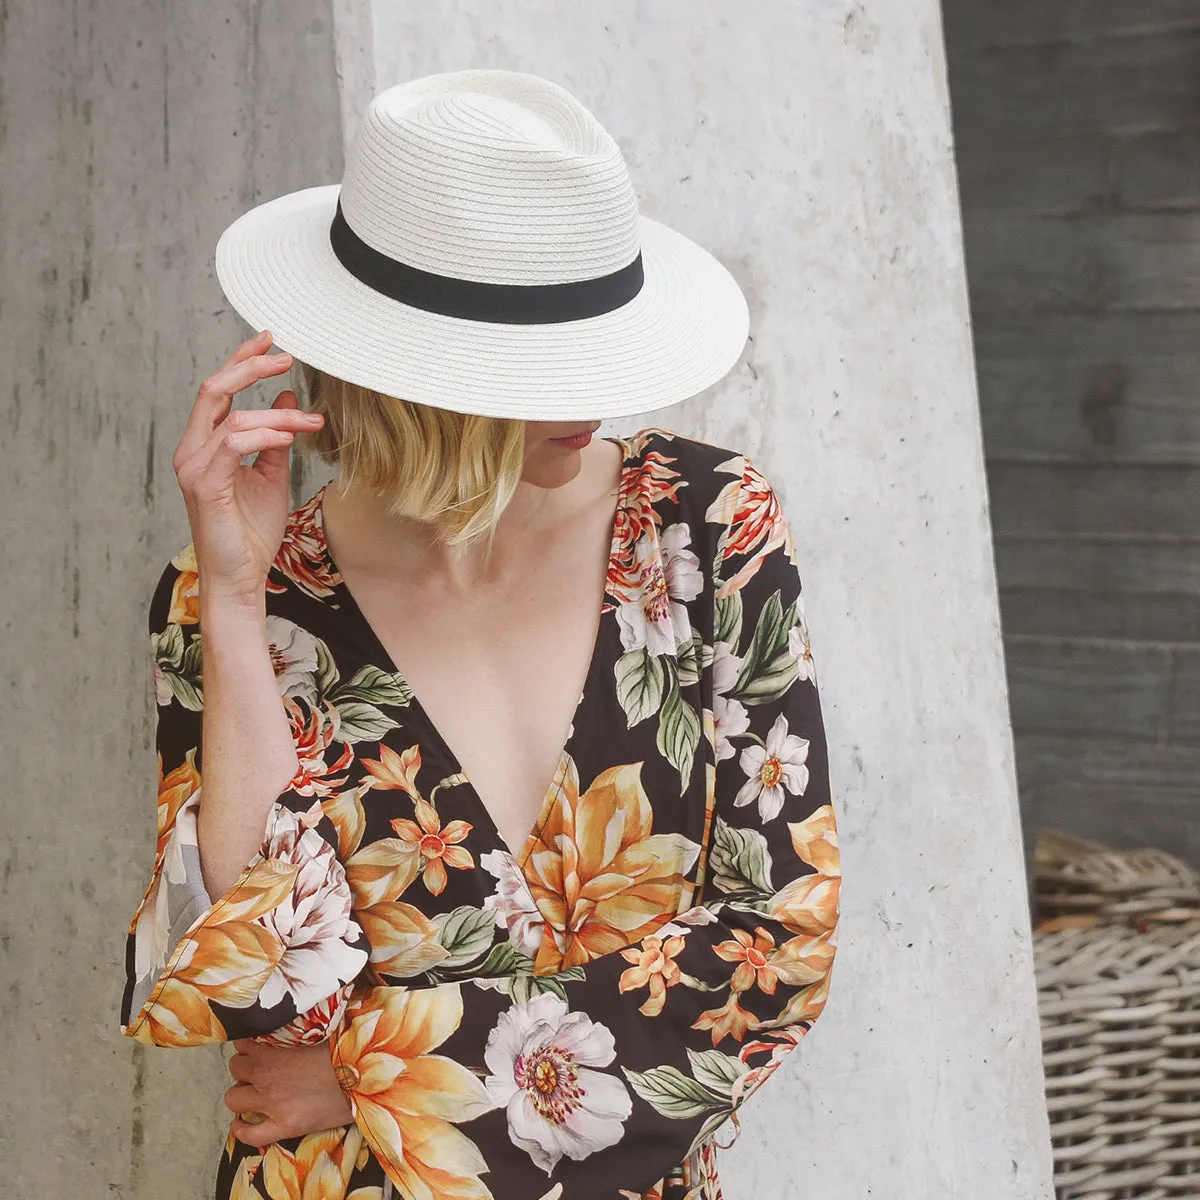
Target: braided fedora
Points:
(484, 253)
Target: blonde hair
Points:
(454, 470)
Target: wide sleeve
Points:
(276, 955)
(612, 1074)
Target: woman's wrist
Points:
(220, 609)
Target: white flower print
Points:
(313, 920)
(798, 644)
(163, 692)
(771, 768)
(541, 1057)
(729, 716)
(512, 903)
(669, 572)
(697, 915)
(294, 657)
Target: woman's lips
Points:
(576, 441)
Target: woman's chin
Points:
(552, 469)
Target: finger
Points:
(273, 461)
(215, 397)
(283, 417)
(553, 1194)
(241, 1067)
(241, 1097)
(243, 1045)
(286, 400)
(225, 455)
(260, 342)
(258, 1135)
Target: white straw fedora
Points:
(484, 253)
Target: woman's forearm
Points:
(247, 754)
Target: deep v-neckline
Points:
(553, 790)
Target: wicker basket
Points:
(1117, 956)
(1081, 883)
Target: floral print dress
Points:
(591, 1011)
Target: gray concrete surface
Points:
(809, 148)
(130, 133)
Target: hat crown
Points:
(494, 176)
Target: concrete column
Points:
(131, 133)
(809, 147)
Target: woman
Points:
(444, 976)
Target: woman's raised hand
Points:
(238, 513)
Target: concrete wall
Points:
(131, 133)
(1079, 155)
(810, 149)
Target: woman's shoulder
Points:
(698, 480)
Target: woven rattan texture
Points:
(1117, 956)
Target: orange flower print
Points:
(405, 1097)
(807, 905)
(757, 526)
(730, 1020)
(320, 1165)
(185, 593)
(404, 941)
(777, 1044)
(438, 845)
(654, 967)
(642, 487)
(815, 841)
(753, 958)
(174, 789)
(392, 770)
(300, 558)
(805, 963)
(283, 931)
(810, 903)
(313, 730)
(600, 877)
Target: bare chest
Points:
(498, 672)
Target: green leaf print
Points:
(465, 932)
(191, 664)
(639, 677)
(180, 665)
(504, 960)
(526, 987)
(769, 667)
(669, 1091)
(716, 1071)
(375, 687)
(740, 860)
(362, 722)
(772, 681)
(689, 658)
(678, 733)
(168, 646)
(326, 674)
(729, 619)
(710, 1126)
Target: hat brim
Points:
(683, 331)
